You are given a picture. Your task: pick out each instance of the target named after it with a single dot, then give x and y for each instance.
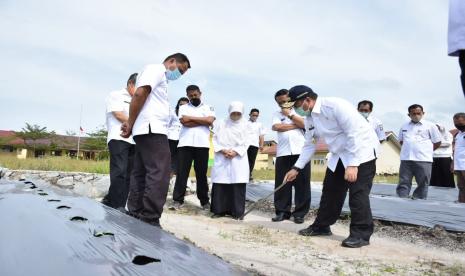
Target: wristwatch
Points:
(290, 116)
(296, 168)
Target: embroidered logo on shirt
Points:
(311, 128)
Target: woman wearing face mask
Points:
(230, 171)
(174, 128)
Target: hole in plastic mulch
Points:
(78, 218)
(143, 260)
(63, 207)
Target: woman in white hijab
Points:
(230, 171)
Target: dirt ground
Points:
(263, 247)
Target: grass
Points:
(67, 164)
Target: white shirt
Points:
(456, 36)
(445, 149)
(155, 112)
(229, 171)
(117, 101)
(257, 129)
(377, 125)
(289, 142)
(174, 127)
(417, 141)
(348, 135)
(198, 136)
(459, 151)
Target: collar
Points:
(419, 123)
(317, 106)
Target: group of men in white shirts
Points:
(149, 142)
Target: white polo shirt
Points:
(289, 142)
(377, 125)
(117, 101)
(459, 151)
(198, 136)
(348, 135)
(155, 112)
(174, 127)
(256, 130)
(417, 141)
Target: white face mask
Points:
(365, 114)
(235, 118)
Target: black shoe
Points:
(354, 242)
(314, 231)
(217, 216)
(280, 217)
(298, 220)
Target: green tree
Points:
(31, 133)
(97, 141)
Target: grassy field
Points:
(72, 165)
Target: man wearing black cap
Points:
(353, 145)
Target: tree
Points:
(97, 141)
(71, 132)
(31, 133)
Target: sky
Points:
(58, 55)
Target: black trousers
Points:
(150, 177)
(185, 157)
(441, 176)
(333, 196)
(252, 152)
(283, 197)
(462, 67)
(174, 155)
(121, 163)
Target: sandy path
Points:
(269, 248)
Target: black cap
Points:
(299, 92)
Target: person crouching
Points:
(230, 171)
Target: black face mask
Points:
(460, 127)
(195, 102)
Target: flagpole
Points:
(79, 133)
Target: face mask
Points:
(415, 119)
(195, 101)
(301, 112)
(460, 127)
(173, 75)
(365, 114)
(235, 118)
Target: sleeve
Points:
(151, 75)
(241, 150)
(349, 120)
(401, 135)
(211, 111)
(276, 119)
(435, 134)
(380, 131)
(114, 103)
(217, 147)
(261, 130)
(308, 150)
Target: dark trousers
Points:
(228, 199)
(252, 152)
(283, 197)
(333, 196)
(121, 163)
(150, 177)
(174, 155)
(185, 157)
(462, 67)
(441, 176)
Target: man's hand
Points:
(184, 119)
(286, 111)
(260, 148)
(351, 174)
(291, 175)
(126, 130)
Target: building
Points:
(57, 145)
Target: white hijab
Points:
(233, 133)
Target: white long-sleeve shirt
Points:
(445, 150)
(456, 36)
(348, 135)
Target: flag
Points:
(81, 129)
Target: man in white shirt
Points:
(257, 138)
(459, 154)
(148, 123)
(289, 126)
(456, 36)
(351, 166)
(419, 138)
(196, 118)
(365, 108)
(441, 175)
(121, 149)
